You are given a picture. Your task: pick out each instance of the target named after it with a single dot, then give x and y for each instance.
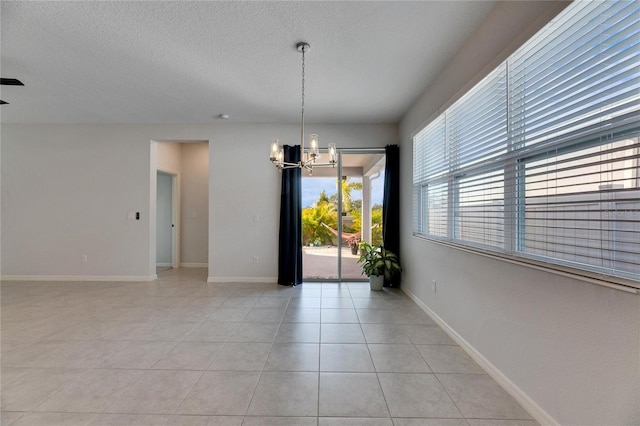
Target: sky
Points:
(313, 186)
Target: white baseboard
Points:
(268, 280)
(105, 278)
(163, 264)
(193, 265)
(511, 388)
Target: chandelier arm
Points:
(285, 166)
(324, 164)
(288, 163)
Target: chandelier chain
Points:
(303, 82)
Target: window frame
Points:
(513, 162)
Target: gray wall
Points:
(568, 348)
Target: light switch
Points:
(131, 215)
(256, 217)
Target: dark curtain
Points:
(391, 205)
(290, 246)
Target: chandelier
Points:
(308, 157)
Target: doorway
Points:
(341, 207)
(186, 165)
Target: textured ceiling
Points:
(187, 62)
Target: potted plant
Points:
(379, 264)
(354, 243)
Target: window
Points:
(583, 206)
(480, 209)
(541, 159)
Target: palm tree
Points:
(312, 218)
(346, 187)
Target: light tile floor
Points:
(180, 351)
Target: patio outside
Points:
(322, 263)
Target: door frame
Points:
(153, 169)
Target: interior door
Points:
(164, 220)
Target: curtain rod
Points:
(361, 149)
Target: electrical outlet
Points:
(255, 260)
(84, 258)
(434, 286)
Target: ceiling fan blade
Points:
(11, 82)
(3, 102)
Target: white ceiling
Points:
(188, 62)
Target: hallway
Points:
(181, 351)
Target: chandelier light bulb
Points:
(332, 153)
(313, 142)
(275, 147)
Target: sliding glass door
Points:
(341, 207)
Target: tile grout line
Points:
(384, 396)
(325, 290)
(253, 394)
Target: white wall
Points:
(66, 191)
(572, 348)
(249, 184)
(170, 157)
(194, 203)
(1, 174)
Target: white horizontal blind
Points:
(541, 159)
(430, 160)
(417, 217)
(430, 152)
(437, 208)
(574, 90)
(582, 207)
(477, 134)
(578, 75)
(477, 122)
(480, 209)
